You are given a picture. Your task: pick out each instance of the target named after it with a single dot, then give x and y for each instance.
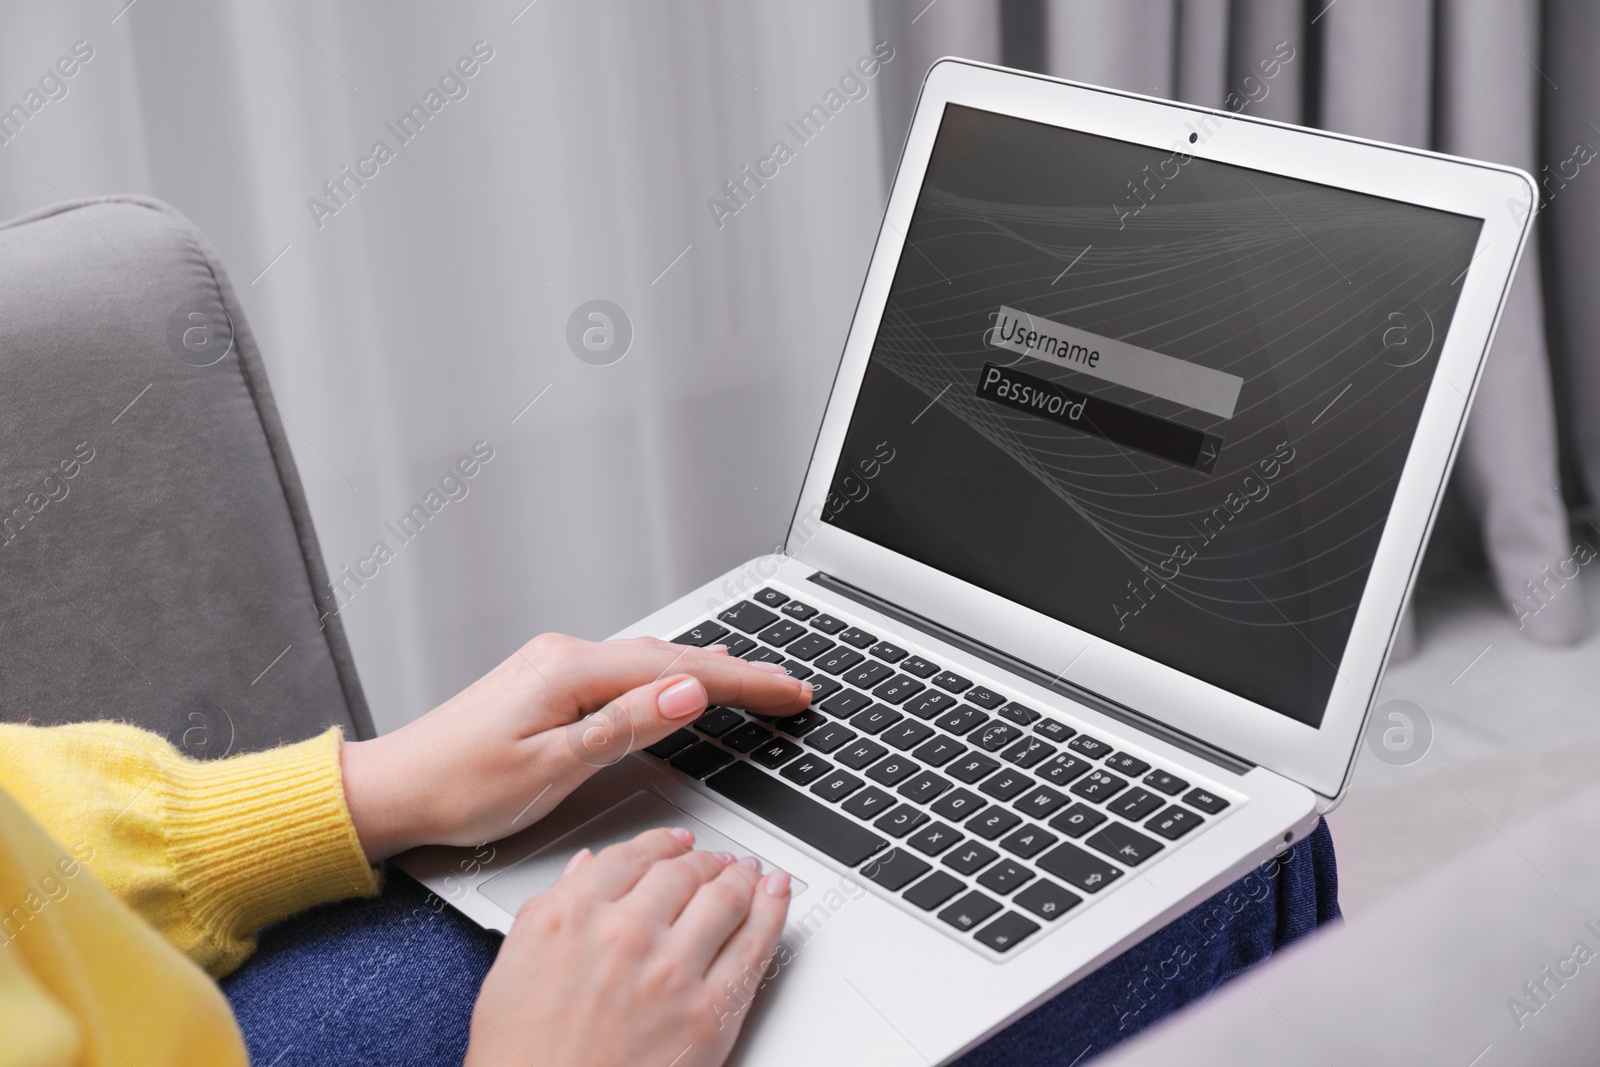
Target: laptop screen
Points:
(1164, 400)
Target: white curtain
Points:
(429, 310)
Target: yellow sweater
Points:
(128, 871)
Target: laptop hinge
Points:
(1037, 675)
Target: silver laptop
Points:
(1137, 437)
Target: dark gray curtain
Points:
(1511, 81)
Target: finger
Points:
(744, 958)
(613, 871)
(715, 913)
(593, 675)
(668, 886)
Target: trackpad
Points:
(642, 811)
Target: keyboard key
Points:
(887, 652)
(969, 911)
(1063, 770)
(934, 838)
(971, 767)
(1054, 729)
(1099, 786)
(747, 738)
(986, 698)
(1020, 714)
(1124, 843)
(962, 719)
(900, 820)
(1028, 751)
(869, 803)
(1047, 900)
(700, 759)
(1005, 932)
(898, 688)
(1005, 785)
(907, 734)
(801, 724)
(738, 645)
(809, 647)
(994, 736)
(845, 703)
(822, 689)
(920, 667)
(927, 704)
(1209, 803)
(1169, 784)
(938, 751)
(793, 812)
(951, 682)
(829, 737)
(1089, 746)
(1041, 803)
(828, 624)
(992, 822)
(775, 753)
(806, 769)
(896, 869)
(748, 617)
(924, 788)
(1028, 842)
(892, 771)
(836, 786)
(867, 675)
(717, 721)
(838, 660)
(672, 744)
(971, 857)
(859, 754)
(1078, 820)
(934, 890)
(796, 610)
(797, 669)
(1135, 804)
(857, 637)
(1123, 763)
(1076, 867)
(959, 805)
(781, 633)
(701, 635)
(763, 654)
(875, 719)
(1005, 876)
(770, 598)
(1174, 822)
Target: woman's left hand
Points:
(500, 754)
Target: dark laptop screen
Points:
(1164, 400)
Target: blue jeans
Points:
(392, 981)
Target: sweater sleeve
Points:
(207, 852)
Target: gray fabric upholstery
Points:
(157, 560)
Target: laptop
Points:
(1142, 421)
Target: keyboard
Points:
(959, 802)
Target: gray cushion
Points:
(156, 553)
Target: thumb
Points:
(640, 717)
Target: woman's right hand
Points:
(645, 953)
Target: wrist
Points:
(375, 796)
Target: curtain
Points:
(1502, 80)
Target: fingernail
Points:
(682, 700)
(770, 668)
(721, 650)
(725, 857)
(576, 861)
(685, 837)
(806, 689)
(750, 863)
(778, 883)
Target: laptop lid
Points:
(1162, 399)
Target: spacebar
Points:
(791, 810)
